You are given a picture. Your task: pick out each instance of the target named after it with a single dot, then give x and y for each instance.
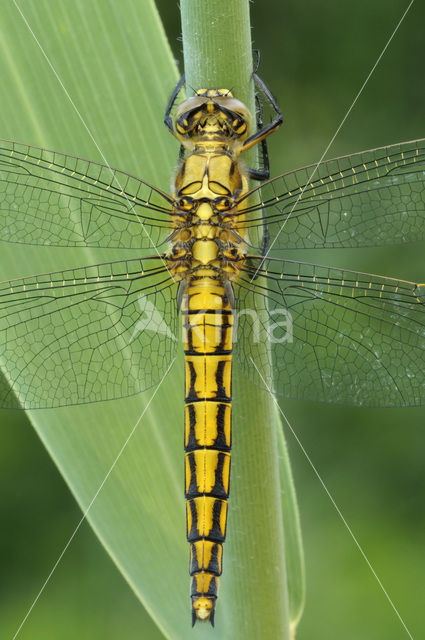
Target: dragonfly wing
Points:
(372, 198)
(332, 335)
(48, 198)
(87, 334)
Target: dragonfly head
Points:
(212, 115)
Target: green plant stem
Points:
(217, 53)
(217, 46)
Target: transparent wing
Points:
(48, 198)
(372, 198)
(86, 334)
(332, 335)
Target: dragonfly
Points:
(107, 331)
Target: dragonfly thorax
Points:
(215, 175)
(211, 126)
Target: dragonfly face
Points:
(353, 338)
(212, 116)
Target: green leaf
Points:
(115, 64)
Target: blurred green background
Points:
(315, 58)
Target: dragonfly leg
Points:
(266, 130)
(262, 173)
(168, 121)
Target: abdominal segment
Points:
(208, 323)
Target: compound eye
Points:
(185, 204)
(223, 204)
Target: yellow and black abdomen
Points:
(208, 322)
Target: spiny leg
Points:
(168, 121)
(266, 130)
